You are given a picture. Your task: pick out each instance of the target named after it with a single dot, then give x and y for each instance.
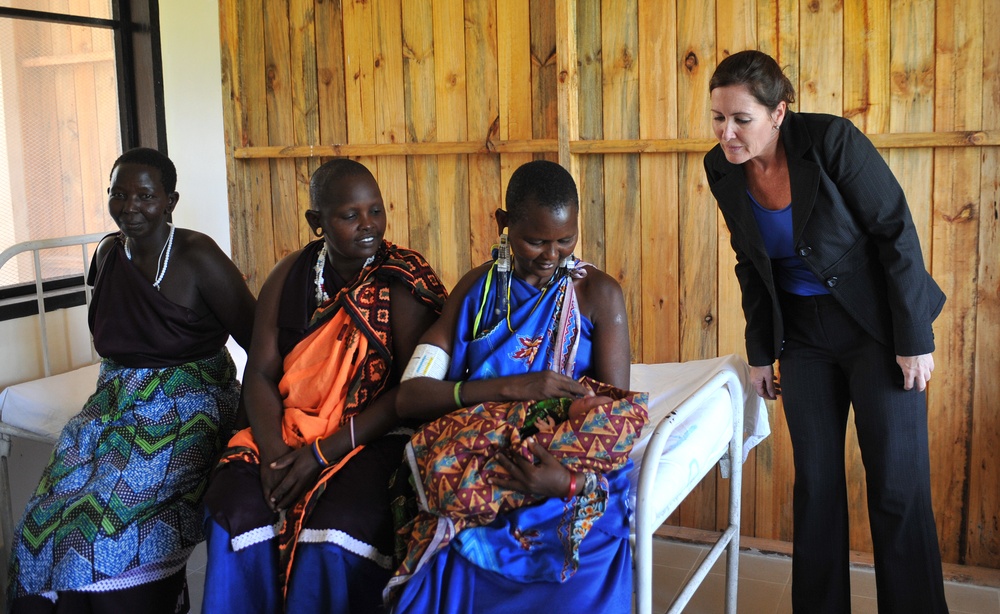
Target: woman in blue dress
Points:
(525, 326)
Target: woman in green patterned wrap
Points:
(118, 508)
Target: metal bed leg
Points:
(645, 520)
(642, 546)
(735, 502)
(730, 538)
(6, 517)
(733, 550)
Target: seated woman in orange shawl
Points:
(298, 512)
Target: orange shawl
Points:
(340, 367)
(318, 373)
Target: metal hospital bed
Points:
(36, 410)
(701, 414)
(697, 414)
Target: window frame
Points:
(142, 117)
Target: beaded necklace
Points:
(160, 261)
(502, 266)
(321, 296)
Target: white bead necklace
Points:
(321, 296)
(161, 261)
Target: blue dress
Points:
(519, 562)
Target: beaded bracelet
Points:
(458, 394)
(572, 486)
(319, 454)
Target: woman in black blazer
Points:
(834, 287)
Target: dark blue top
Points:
(789, 271)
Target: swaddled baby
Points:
(454, 458)
(546, 414)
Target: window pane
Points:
(61, 133)
(83, 8)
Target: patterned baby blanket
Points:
(452, 458)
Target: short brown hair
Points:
(759, 73)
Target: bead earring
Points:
(503, 252)
(566, 262)
(503, 274)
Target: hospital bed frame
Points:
(35, 248)
(647, 520)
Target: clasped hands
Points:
(288, 478)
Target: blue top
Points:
(526, 337)
(790, 272)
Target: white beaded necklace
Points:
(165, 262)
(321, 296)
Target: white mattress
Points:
(43, 406)
(699, 435)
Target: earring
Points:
(775, 126)
(318, 231)
(503, 252)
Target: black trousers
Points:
(828, 363)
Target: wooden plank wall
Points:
(444, 99)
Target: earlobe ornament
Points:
(503, 274)
(503, 252)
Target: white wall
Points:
(192, 83)
(196, 140)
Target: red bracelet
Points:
(572, 486)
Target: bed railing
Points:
(41, 293)
(35, 248)
(647, 519)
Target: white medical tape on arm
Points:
(427, 361)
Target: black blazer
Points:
(851, 227)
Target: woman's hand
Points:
(270, 477)
(548, 478)
(542, 385)
(916, 370)
(764, 382)
(299, 470)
